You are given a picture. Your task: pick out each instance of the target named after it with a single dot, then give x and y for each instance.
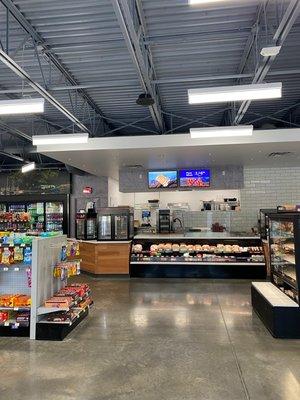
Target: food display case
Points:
(277, 302)
(285, 253)
(115, 223)
(263, 221)
(197, 257)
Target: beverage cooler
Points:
(115, 223)
(35, 213)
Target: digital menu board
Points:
(162, 179)
(194, 178)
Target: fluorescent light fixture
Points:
(221, 131)
(22, 106)
(28, 167)
(235, 93)
(60, 139)
(195, 2)
(270, 51)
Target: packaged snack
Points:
(18, 254)
(11, 254)
(27, 255)
(6, 256)
(63, 254)
(3, 316)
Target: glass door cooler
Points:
(54, 216)
(34, 213)
(116, 223)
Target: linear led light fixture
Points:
(195, 2)
(221, 131)
(28, 167)
(10, 63)
(22, 106)
(271, 51)
(60, 139)
(235, 93)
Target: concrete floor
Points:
(157, 340)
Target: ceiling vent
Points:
(277, 154)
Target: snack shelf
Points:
(49, 310)
(21, 308)
(14, 324)
(13, 267)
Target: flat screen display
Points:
(194, 178)
(162, 179)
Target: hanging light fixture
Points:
(28, 167)
(221, 131)
(69, 138)
(22, 106)
(235, 93)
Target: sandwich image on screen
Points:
(162, 179)
(194, 178)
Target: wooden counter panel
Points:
(113, 258)
(105, 258)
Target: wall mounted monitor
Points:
(194, 178)
(162, 179)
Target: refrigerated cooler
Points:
(35, 213)
(115, 223)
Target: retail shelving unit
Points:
(46, 255)
(277, 302)
(194, 257)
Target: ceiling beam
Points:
(16, 132)
(279, 37)
(162, 81)
(38, 88)
(10, 155)
(53, 59)
(141, 60)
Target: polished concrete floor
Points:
(157, 340)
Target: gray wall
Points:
(78, 199)
(136, 179)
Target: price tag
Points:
(5, 269)
(17, 269)
(6, 323)
(16, 308)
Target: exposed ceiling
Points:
(96, 56)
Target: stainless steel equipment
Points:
(164, 221)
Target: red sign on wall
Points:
(87, 190)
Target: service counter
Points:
(105, 258)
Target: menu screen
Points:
(162, 179)
(194, 178)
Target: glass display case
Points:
(263, 221)
(192, 257)
(115, 223)
(285, 252)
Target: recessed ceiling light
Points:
(221, 131)
(69, 138)
(235, 93)
(22, 106)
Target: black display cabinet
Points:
(277, 302)
(115, 223)
(264, 221)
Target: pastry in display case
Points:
(284, 236)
